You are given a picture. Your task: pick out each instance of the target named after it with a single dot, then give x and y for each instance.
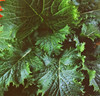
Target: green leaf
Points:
(92, 65)
(52, 43)
(95, 65)
(14, 67)
(24, 17)
(59, 77)
(21, 17)
(91, 30)
(79, 46)
(93, 70)
(1, 91)
(3, 39)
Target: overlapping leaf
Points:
(21, 17)
(52, 43)
(91, 30)
(14, 67)
(95, 65)
(24, 17)
(90, 18)
(59, 77)
(48, 21)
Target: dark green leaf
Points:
(14, 67)
(95, 65)
(59, 77)
(24, 17)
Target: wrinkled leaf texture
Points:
(91, 30)
(58, 77)
(22, 18)
(95, 65)
(14, 68)
(43, 18)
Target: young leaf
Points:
(52, 43)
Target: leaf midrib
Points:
(24, 55)
(34, 11)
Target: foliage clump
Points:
(45, 48)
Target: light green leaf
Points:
(3, 38)
(52, 43)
